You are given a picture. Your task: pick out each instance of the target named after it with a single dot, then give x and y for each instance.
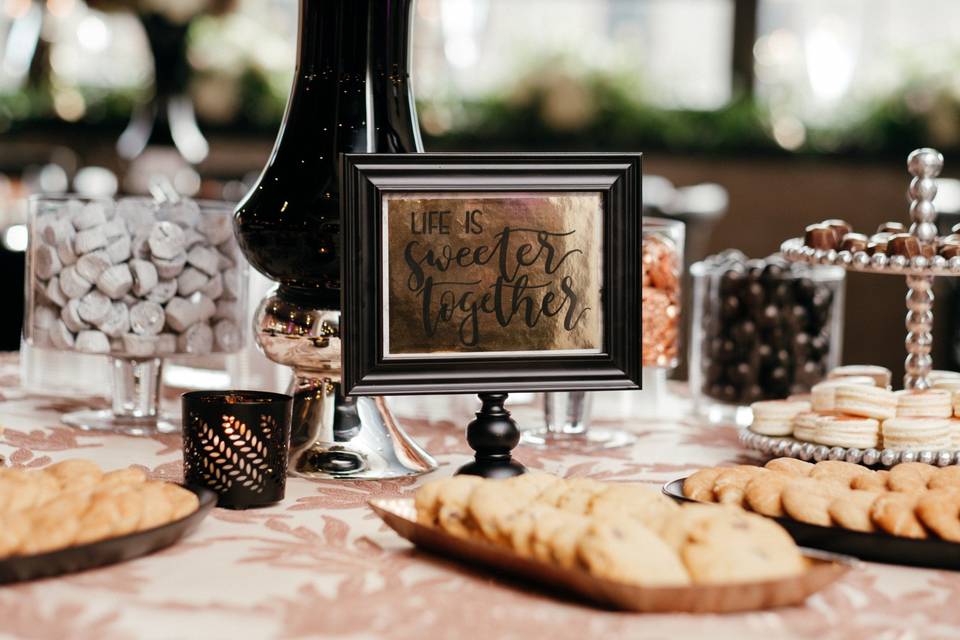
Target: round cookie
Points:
(730, 485)
(157, 510)
(851, 510)
(790, 466)
(945, 478)
(939, 510)
(545, 528)
(838, 471)
(453, 498)
(426, 504)
(731, 545)
(13, 530)
(699, 485)
(578, 494)
(130, 475)
(894, 513)
(874, 481)
(809, 501)
(641, 503)
(625, 551)
(563, 543)
(910, 477)
(763, 494)
(75, 474)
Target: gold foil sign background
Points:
(492, 273)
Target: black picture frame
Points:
(366, 178)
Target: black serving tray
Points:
(876, 547)
(106, 552)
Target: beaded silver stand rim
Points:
(787, 447)
(794, 250)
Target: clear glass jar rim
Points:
(818, 273)
(64, 197)
(654, 222)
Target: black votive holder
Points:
(235, 443)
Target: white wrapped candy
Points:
(192, 238)
(116, 228)
(163, 291)
(226, 336)
(72, 283)
(166, 240)
(185, 213)
(119, 249)
(60, 336)
(214, 287)
(166, 343)
(70, 314)
(139, 248)
(91, 265)
(54, 292)
(117, 321)
(190, 280)
(94, 307)
(197, 340)
(44, 317)
(89, 216)
(205, 307)
(144, 277)
(170, 268)
(137, 213)
(205, 259)
(92, 342)
(66, 253)
(137, 345)
(58, 230)
(181, 313)
(227, 309)
(46, 262)
(147, 318)
(115, 281)
(89, 240)
(231, 283)
(217, 227)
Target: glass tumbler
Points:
(135, 280)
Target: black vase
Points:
(351, 93)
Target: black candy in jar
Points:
(768, 328)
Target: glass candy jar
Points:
(761, 329)
(134, 280)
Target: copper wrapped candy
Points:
(662, 263)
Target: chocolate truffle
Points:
(854, 242)
(821, 236)
(904, 244)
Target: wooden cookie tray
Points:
(109, 551)
(400, 515)
(876, 547)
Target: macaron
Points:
(917, 434)
(937, 375)
(932, 403)
(823, 395)
(847, 431)
(805, 426)
(880, 375)
(775, 417)
(866, 402)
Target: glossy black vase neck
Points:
(351, 93)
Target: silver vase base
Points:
(592, 438)
(106, 421)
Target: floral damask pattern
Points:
(321, 565)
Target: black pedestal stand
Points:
(493, 434)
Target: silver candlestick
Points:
(331, 436)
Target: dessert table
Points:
(320, 564)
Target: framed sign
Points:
(490, 272)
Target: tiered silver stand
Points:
(925, 165)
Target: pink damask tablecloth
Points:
(322, 565)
